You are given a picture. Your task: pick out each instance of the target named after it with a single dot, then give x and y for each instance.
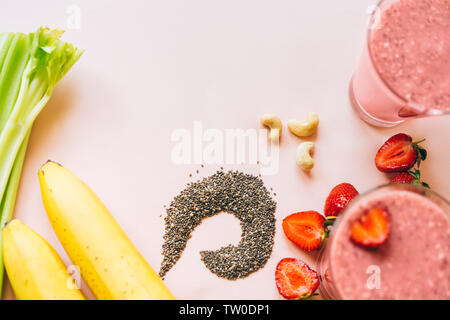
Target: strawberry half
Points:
(306, 229)
(339, 198)
(399, 153)
(295, 279)
(372, 229)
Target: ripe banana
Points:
(94, 241)
(34, 269)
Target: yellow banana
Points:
(34, 269)
(94, 241)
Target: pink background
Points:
(151, 67)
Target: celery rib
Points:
(9, 200)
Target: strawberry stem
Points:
(420, 141)
(329, 221)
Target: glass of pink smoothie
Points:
(414, 262)
(404, 71)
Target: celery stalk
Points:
(9, 199)
(30, 66)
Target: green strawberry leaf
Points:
(426, 185)
(416, 181)
(421, 152)
(329, 221)
(415, 174)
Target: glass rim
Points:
(425, 192)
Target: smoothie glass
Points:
(404, 73)
(414, 263)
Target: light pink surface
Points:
(412, 264)
(151, 67)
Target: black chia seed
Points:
(240, 194)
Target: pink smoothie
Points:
(405, 68)
(412, 264)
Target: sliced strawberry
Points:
(399, 153)
(372, 229)
(306, 229)
(295, 279)
(339, 198)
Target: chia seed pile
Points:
(240, 194)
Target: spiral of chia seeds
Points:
(240, 194)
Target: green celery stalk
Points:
(30, 67)
(49, 60)
(9, 199)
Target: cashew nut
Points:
(304, 129)
(275, 125)
(303, 156)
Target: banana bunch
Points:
(109, 263)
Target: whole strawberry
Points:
(339, 198)
(409, 177)
(403, 178)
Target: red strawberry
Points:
(410, 177)
(338, 199)
(399, 153)
(403, 177)
(372, 229)
(295, 279)
(306, 229)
